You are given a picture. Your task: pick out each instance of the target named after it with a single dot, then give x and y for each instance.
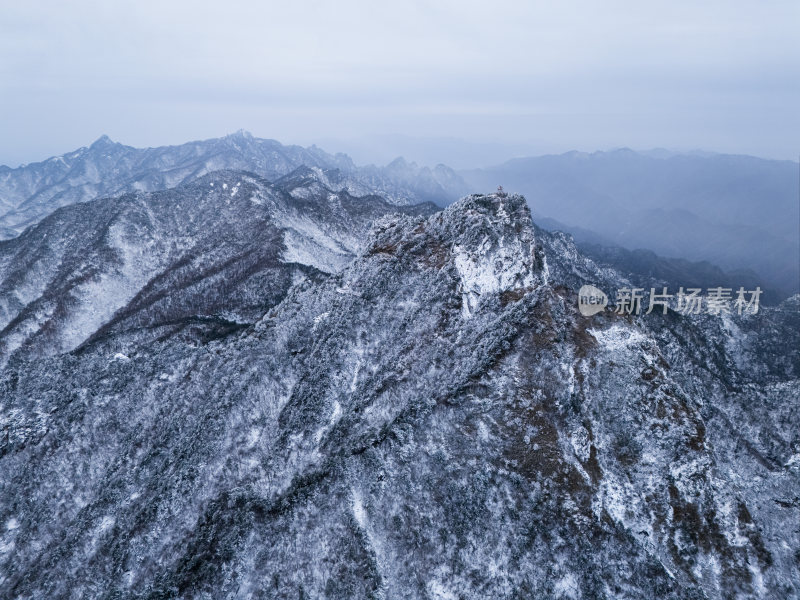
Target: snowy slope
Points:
(433, 420)
(224, 248)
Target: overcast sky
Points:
(496, 77)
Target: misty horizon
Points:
(508, 80)
(455, 153)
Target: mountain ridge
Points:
(107, 168)
(141, 242)
(434, 419)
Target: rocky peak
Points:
(240, 134)
(107, 168)
(488, 241)
(102, 143)
(400, 164)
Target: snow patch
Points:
(102, 297)
(309, 244)
(617, 338)
(107, 523)
(581, 445)
(359, 514)
(483, 431)
(438, 591)
(489, 269)
(337, 413)
(793, 462)
(567, 587)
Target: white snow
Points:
(618, 338)
(567, 586)
(253, 436)
(111, 291)
(579, 439)
(439, 591)
(489, 270)
(794, 461)
(314, 252)
(483, 431)
(758, 581)
(107, 523)
(359, 514)
(337, 412)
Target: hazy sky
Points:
(504, 77)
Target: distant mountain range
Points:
(738, 212)
(106, 168)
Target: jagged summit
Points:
(240, 133)
(487, 240)
(400, 164)
(107, 168)
(244, 140)
(670, 204)
(102, 142)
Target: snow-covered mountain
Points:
(242, 390)
(738, 212)
(31, 192)
(218, 251)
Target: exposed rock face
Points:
(737, 212)
(432, 420)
